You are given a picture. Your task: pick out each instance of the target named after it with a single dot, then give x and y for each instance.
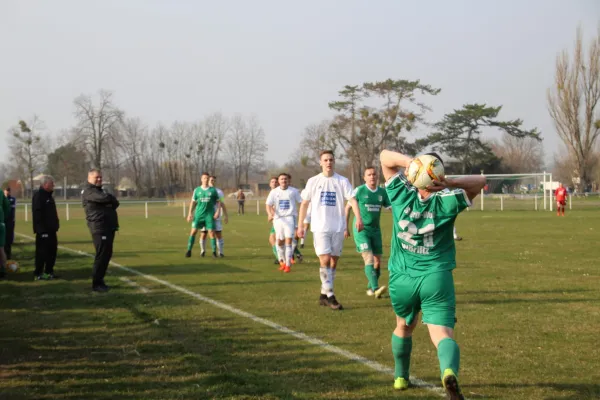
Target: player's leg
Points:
(376, 242)
(202, 242)
(288, 234)
(280, 241)
(322, 244)
(219, 235)
(438, 303)
(192, 237)
(3, 258)
(405, 302)
(337, 243)
(209, 223)
(273, 244)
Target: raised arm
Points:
(393, 162)
(472, 184)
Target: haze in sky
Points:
(280, 60)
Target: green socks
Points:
(213, 244)
(377, 272)
(449, 355)
(191, 242)
(372, 277)
(297, 252)
(401, 349)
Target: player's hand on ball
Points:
(438, 185)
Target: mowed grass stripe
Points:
(299, 335)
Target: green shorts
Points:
(433, 294)
(368, 240)
(204, 221)
(2, 234)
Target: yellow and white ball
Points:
(12, 266)
(423, 170)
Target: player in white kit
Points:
(326, 193)
(282, 208)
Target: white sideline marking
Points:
(134, 284)
(299, 335)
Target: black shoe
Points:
(323, 300)
(100, 288)
(202, 254)
(302, 246)
(51, 276)
(214, 254)
(276, 262)
(333, 303)
(188, 254)
(221, 255)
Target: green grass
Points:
(528, 316)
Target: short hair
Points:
(371, 167)
(45, 179)
(284, 174)
(7, 188)
(436, 155)
(322, 153)
(212, 176)
(205, 173)
(94, 170)
(273, 177)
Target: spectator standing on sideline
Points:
(10, 223)
(102, 220)
(241, 199)
(45, 226)
(4, 210)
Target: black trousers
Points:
(103, 242)
(46, 245)
(10, 238)
(240, 207)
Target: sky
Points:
(282, 61)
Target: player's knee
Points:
(368, 257)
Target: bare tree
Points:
(215, 130)
(27, 149)
(519, 154)
(245, 146)
(133, 140)
(318, 137)
(96, 123)
(572, 103)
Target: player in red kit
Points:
(561, 199)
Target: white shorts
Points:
(328, 243)
(284, 228)
(218, 225)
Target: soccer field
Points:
(528, 293)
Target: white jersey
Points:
(327, 199)
(285, 202)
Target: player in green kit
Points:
(370, 199)
(422, 258)
(204, 207)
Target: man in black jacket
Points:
(10, 223)
(101, 215)
(45, 226)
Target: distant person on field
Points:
(423, 255)
(4, 211)
(45, 226)
(241, 199)
(103, 222)
(561, 200)
(10, 223)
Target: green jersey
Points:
(206, 200)
(5, 211)
(370, 203)
(423, 240)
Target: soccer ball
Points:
(423, 170)
(12, 266)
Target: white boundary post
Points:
(550, 194)
(67, 210)
(146, 209)
(482, 193)
(570, 202)
(257, 208)
(544, 188)
(183, 203)
(536, 202)
(26, 219)
(501, 203)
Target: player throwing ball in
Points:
(371, 199)
(327, 193)
(204, 207)
(282, 209)
(422, 258)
